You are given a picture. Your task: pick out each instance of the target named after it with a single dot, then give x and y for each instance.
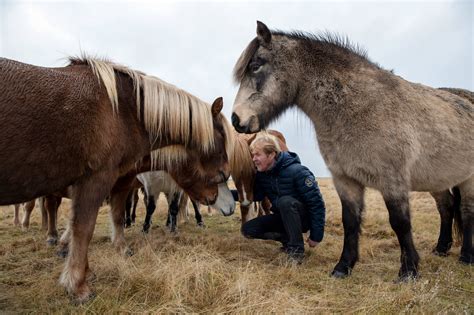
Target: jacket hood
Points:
(284, 160)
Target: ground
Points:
(216, 270)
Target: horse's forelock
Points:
(241, 65)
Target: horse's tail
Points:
(458, 227)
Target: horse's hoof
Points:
(466, 259)
(128, 252)
(83, 298)
(52, 241)
(406, 277)
(63, 252)
(440, 253)
(339, 274)
(442, 250)
(201, 225)
(145, 230)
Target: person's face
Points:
(262, 161)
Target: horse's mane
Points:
(326, 39)
(241, 164)
(166, 108)
(168, 157)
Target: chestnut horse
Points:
(374, 129)
(86, 125)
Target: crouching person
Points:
(297, 204)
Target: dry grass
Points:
(215, 270)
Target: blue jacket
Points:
(289, 178)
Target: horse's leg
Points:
(351, 194)
(29, 206)
(150, 208)
(467, 214)
(244, 211)
(197, 213)
(44, 214)
(120, 193)
(445, 204)
(52, 204)
(399, 214)
(16, 218)
(135, 199)
(88, 195)
(64, 241)
(128, 208)
(173, 209)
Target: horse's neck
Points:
(330, 101)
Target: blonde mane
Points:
(166, 108)
(168, 157)
(241, 164)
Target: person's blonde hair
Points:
(267, 142)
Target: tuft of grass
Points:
(216, 270)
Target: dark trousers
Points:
(287, 226)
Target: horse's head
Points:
(203, 173)
(264, 72)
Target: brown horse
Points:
(374, 129)
(86, 125)
(49, 209)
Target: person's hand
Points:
(311, 243)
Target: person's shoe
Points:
(295, 256)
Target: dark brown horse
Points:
(86, 125)
(374, 129)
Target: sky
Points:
(195, 44)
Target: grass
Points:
(216, 270)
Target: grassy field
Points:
(216, 270)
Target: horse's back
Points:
(409, 131)
(156, 182)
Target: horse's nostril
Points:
(235, 120)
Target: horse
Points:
(243, 172)
(132, 202)
(374, 129)
(49, 208)
(85, 125)
(28, 208)
(157, 182)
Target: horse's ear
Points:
(217, 106)
(251, 138)
(263, 34)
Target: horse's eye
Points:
(255, 66)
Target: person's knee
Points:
(288, 202)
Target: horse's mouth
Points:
(226, 214)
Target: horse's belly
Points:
(439, 179)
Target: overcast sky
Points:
(194, 44)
